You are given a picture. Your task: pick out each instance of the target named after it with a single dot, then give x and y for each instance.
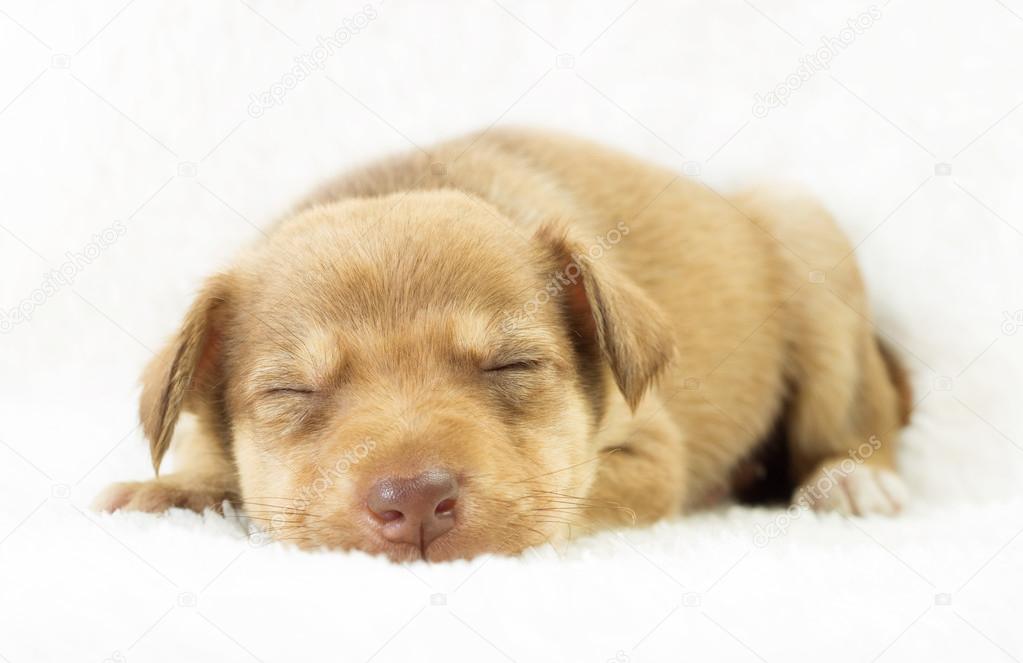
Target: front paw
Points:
(159, 495)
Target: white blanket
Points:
(144, 143)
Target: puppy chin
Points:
(398, 552)
(454, 546)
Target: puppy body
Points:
(657, 333)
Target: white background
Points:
(139, 114)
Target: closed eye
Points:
(279, 391)
(516, 365)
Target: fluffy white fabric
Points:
(140, 121)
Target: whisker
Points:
(251, 497)
(277, 523)
(275, 507)
(581, 506)
(282, 514)
(599, 456)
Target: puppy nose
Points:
(415, 510)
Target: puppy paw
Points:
(864, 490)
(159, 495)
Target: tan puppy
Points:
(516, 338)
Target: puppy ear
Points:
(186, 371)
(606, 308)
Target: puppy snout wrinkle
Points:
(415, 510)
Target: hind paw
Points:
(863, 490)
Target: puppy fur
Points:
(584, 339)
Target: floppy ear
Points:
(187, 370)
(608, 309)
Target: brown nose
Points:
(415, 510)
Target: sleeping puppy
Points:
(515, 338)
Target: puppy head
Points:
(410, 375)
